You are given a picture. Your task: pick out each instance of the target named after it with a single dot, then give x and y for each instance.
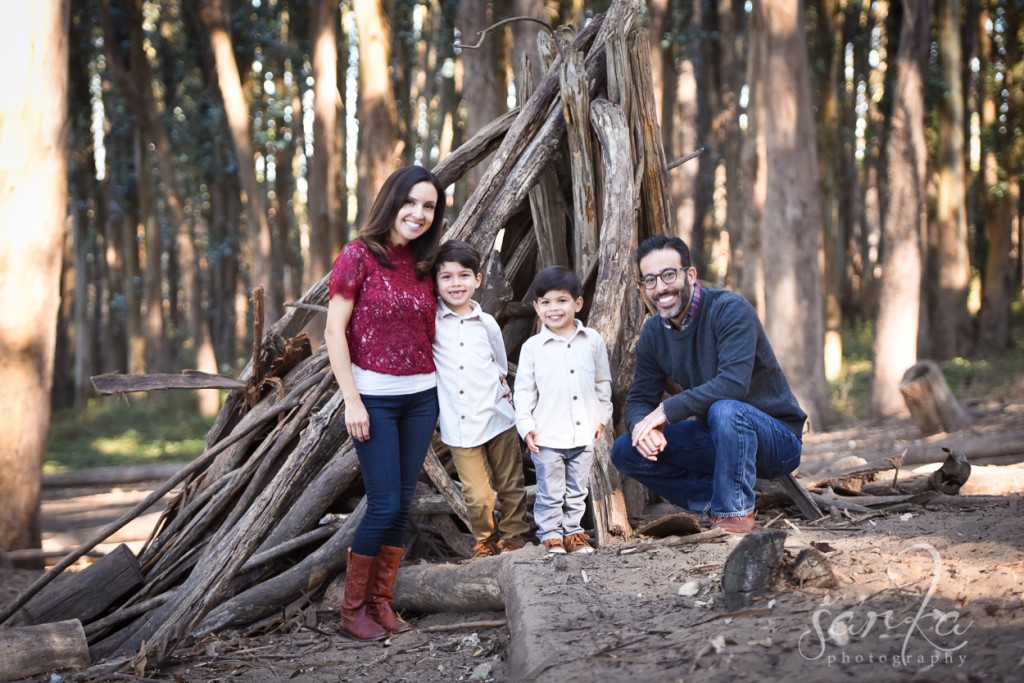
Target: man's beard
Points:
(683, 294)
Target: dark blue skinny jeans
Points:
(391, 459)
(714, 464)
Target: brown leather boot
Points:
(380, 590)
(356, 621)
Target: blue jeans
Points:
(562, 476)
(401, 428)
(714, 464)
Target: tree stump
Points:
(929, 400)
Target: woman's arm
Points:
(339, 314)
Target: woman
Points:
(380, 326)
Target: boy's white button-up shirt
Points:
(563, 388)
(469, 354)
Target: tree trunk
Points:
(378, 120)
(747, 266)
(324, 211)
(792, 214)
(33, 178)
(949, 262)
(236, 107)
(895, 347)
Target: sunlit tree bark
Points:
(895, 347)
(949, 264)
(378, 120)
(323, 200)
(33, 207)
(792, 210)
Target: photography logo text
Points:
(926, 637)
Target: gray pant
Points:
(562, 476)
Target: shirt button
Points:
(577, 423)
(574, 398)
(464, 417)
(571, 371)
(462, 392)
(462, 367)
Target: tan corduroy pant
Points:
(494, 468)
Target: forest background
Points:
(859, 169)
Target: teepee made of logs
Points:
(574, 176)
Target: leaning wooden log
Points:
(618, 239)
(85, 594)
(576, 110)
(534, 113)
(932, 405)
(204, 587)
(314, 570)
(116, 383)
(29, 650)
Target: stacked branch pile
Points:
(575, 176)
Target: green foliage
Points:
(998, 377)
(142, 429)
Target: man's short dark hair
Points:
(556, 278)
(657, 242)
(457, 251)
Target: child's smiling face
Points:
(557, 310)
(456, 284)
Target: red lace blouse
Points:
(392, 326)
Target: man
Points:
(735, 419)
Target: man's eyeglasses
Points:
(668, 276)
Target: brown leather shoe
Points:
(484, 549)
(380, 596)
(510, 545)
(733, 525)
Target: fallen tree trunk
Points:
(86, 594)
(111, 476)
(974, 446)
(29, 650)
(471, 587)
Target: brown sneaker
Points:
(733, 525)
(484, 549)
(508, 545)
(554, 546)
(578, 543)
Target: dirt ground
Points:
(922, 594)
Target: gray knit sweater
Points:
(723, 353)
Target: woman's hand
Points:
(357, 420)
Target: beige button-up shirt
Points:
(563, 388)
(469, 354)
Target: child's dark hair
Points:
(457, 251)
(556, 277)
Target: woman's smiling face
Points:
(415, 215)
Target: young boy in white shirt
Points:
(563, 398)
(477, 417)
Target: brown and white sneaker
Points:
(554, 546)
(733, 525)
(509, 545)
(578, 543)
